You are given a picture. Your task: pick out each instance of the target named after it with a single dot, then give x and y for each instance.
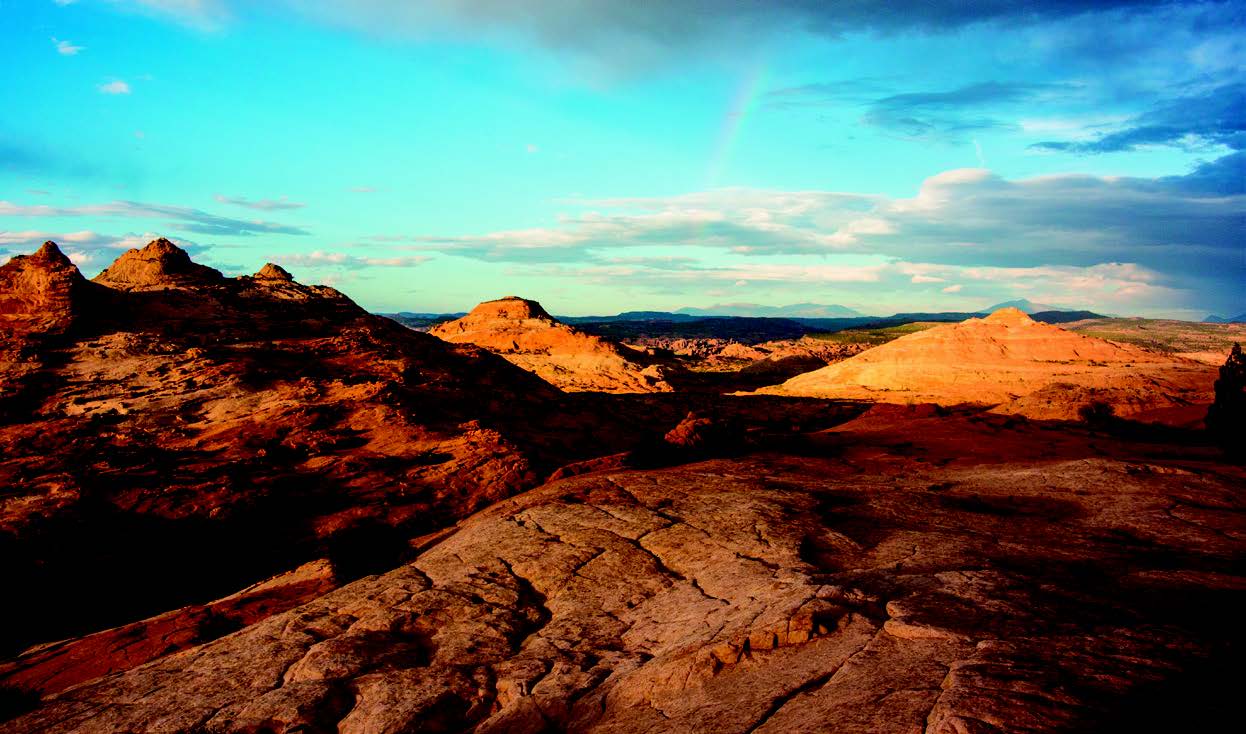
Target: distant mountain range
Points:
(750, 323)
(1026, 305)
(795, 310)
(1214, 319)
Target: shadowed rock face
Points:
(524, 334)
(903, 585)
(1020, 365)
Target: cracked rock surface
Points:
(940, 591)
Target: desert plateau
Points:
(688, 367)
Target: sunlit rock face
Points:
(1020, 365)
(521, 331)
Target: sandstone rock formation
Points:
(1004, 589)
(160, 264)
(1018, 364)
(191, 434)
(53, 667)
(525, 335)
(41, 293)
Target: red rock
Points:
(273, 272)
(53, 667)
(41, 293)
(1012, 362)
(524, 334)
(939, 591)
(160, 264)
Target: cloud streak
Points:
(1216, 117)
(1187, 228)
(186, 218)
(267, 205)
(321, 259)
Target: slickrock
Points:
(56, 666)
(939, 592)
(524, 334)
(1017, 364)
(160, 264)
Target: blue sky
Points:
(603, 156)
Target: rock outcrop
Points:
(41, 293)
(921, 591)
(1017, 364)
(160, 264)
(524, 334)
(271, 271)
(200, 433)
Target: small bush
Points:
(1097, 413)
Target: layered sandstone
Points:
(1015, 363)
(525, 335)
(42, 293)
(159, 264)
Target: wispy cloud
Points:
(1186, 227)
(186, 218)
(1215, 117)
(320, 259)
(65, 48)
(115, 86)
(260, 204)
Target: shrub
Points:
(1226, 419)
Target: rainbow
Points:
(742, 103)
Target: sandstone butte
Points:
(244, 505)
(1019, 365)
(525, 335)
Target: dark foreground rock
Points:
(878, 580)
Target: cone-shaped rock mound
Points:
(271, 271)
(526, 335)
(1009, 360)
(161, 264)
(40, 293)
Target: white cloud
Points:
(532, 148)
(319, 258)
(65, 48)
(116, 86)
(953, 288)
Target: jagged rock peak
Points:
(51, 254)
(1010, 316)
(161, 264)
(40, 292)
(272, 271)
